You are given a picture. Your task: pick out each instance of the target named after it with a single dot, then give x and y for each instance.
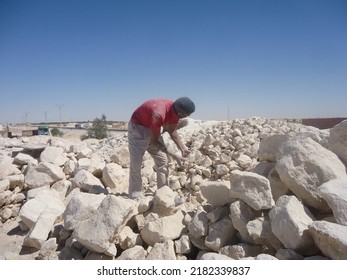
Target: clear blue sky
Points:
(85, 58)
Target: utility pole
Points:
(228, 113)
(60, 107)
(45, 117)
(26, 118)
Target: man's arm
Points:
(171, 129)
(178, 141)
(161, 146)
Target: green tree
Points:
(56, 132)
(98, 129)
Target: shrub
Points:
(56, 132)
(98, 129)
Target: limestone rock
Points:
(98, 232)
(337, 140)
(330, 238)
(82, 206)
(303, 165)
(334, 193)
(44, 173)
(162, 251)
(54, 155)
(220, 233)
(115, 178)
(135, 253)
(216, 193)
(198, 226)
(24, 159)
(241, 250)
(241, 214)
(87, 182)
(46, 200)
(121, 156)
(164, 201)
(252, 188)
(165, 228)
(289, 221)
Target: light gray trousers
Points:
(139, 139)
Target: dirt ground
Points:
(11, 241)
(75, 135)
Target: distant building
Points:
(322, 123)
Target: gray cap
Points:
(184, 105)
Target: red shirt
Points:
(155, 113)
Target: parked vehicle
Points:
(79, 125)
(43, 130)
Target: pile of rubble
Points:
(250, 189)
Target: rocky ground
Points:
(251, 189)
(11, 234)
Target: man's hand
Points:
(180, 159)
(185, 152)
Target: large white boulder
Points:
(303, 165)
